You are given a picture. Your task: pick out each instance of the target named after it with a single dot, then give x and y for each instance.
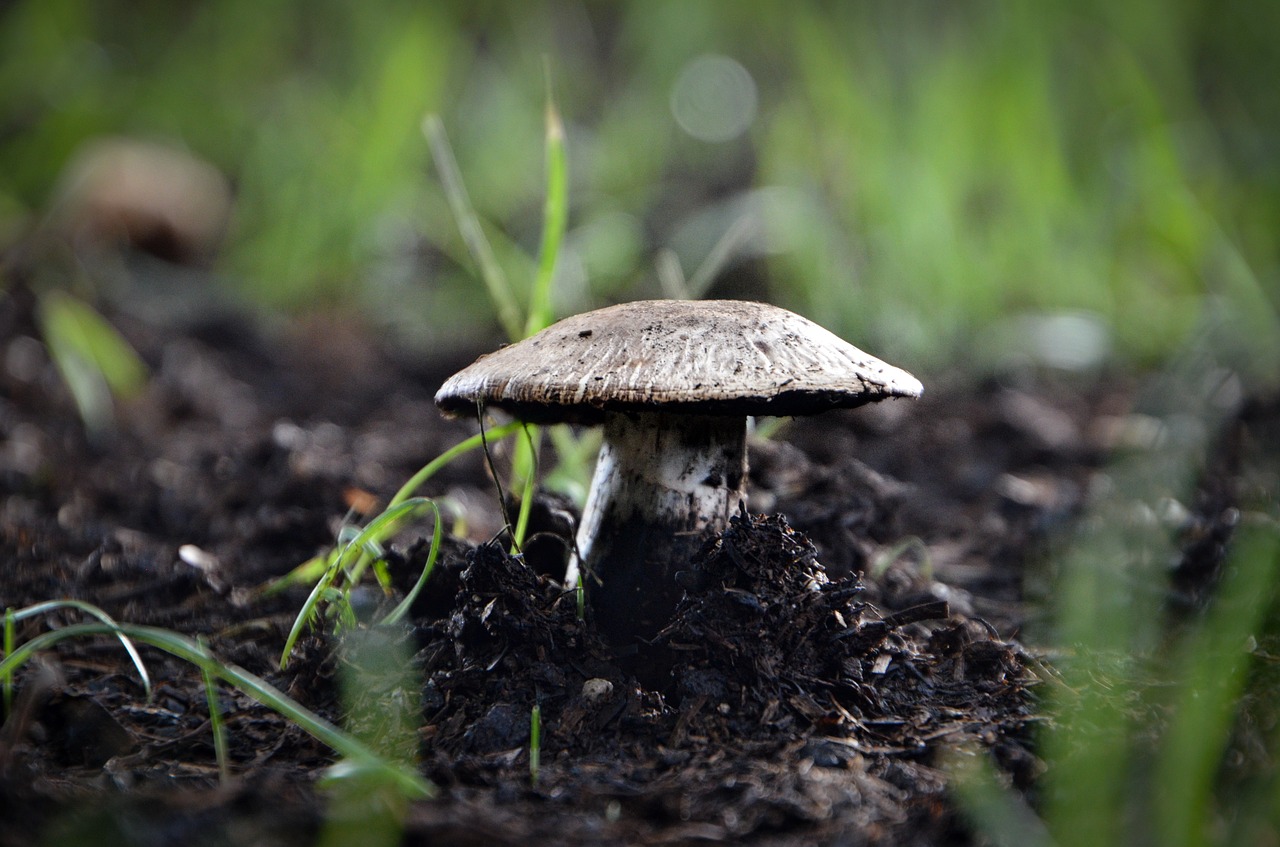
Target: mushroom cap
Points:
(715, 357)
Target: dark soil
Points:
(811, 687)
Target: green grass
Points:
(1157, 727)
(217, 728)
(335, 573)
(96, 363)
(382, 700)
(929, 173)
(535, 744)
(359, 754)
(342, 568)
(1143, 721)
(14, 616)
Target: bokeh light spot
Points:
(714, 98)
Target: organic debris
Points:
(809, 688)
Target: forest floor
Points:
(874, 615)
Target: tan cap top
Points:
(723, 357)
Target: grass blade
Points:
(555, 215)
(671, 275)
(93, 358)
(429, 470)
(341, 562)
(88, 609)
(535, 743)
(402, 608)
(525, 474)
(999, 813)
(216, 726)
(306, 573)
(495, 279)
(412, 783)
(6, 679)
(308, 610)
(720, 255)
(1214, 666)
(368, 543)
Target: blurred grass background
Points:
(920, 178)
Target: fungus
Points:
(673, 383)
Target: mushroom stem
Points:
(661, 482)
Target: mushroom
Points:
(673, 383)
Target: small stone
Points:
(596, 689)
(197, 558)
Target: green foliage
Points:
(1145, 706)
(337, 572)
(1211, 664)
(1029, 158)
(95, 362)
(13, 616)
(328, 167)
(1138, 740)
(345, 565)
(360, 756)
(382, 704)
(926, 173)
(535, 743)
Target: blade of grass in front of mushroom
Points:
(188, 650)
(1211, 664)
(380, 689)
(1108, 615)
(1213, 661)
(1116, 713)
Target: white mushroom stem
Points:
(662, 481)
